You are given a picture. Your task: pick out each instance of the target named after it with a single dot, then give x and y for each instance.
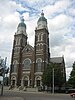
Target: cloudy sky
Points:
(60, 15)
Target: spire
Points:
(42, 14)
(42, 18)
(21, 27)
(22, 19)
(22, 24)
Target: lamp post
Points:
(53, 77)
(53, 82)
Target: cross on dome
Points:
(22, 24)
(42, 14)
(22, 19)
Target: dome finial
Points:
(22, 24)
(42, 14)
(22, 19)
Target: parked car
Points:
(72, 95)
(71, 92)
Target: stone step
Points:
(32, 89)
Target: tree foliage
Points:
(47, 78)
(71, 80)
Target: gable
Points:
(28, 48)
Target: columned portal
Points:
(25, 81)
(38, 81)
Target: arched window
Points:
(18, 41)
(15, 66)
(39, 63)
(38, 38)
(41, 37)
(38, 46)
(26, 64)
(41, 46)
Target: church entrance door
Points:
(38, 83)
(25, 82)
(13, 82)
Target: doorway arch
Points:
(25, 80)
(38, 81)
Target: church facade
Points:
(28, 63)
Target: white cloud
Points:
(31, 30)
(59, 6)
(9, 19)
(32, 1)
(26, 16)
(59, 22)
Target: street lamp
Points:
(53, 82)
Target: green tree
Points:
(48, 75)
(71, 80)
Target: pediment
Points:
(28, 48)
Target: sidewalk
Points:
(11, 98)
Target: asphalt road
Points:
(37, 96)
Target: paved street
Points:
(36, 96)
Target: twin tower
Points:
(28, 63)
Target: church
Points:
(28, 63)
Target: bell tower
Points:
(42, 54)
(20, 41)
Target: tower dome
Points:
(22, 24)
(42, 18)
(21, 29)
(42, 22)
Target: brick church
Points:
(28, 63)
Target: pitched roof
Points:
(56, 59)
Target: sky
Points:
(60, 15)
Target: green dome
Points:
(22, 25)
(42, 18)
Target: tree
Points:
(71, 79)
(47, 76)
(1, 71)
(7, 70)
(58, 75)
